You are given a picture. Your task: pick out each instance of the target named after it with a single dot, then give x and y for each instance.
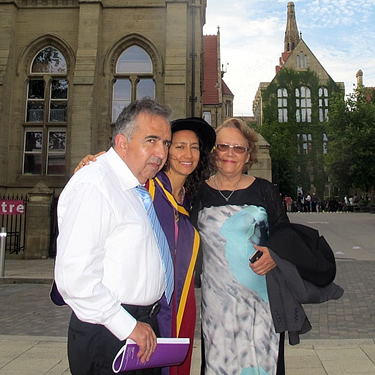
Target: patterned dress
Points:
(238, 330)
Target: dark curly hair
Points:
(201, 173)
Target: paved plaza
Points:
(342, 339)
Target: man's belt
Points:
(142, 311)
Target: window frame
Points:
(55, 152)
(304, 143)
(46, 124)
(207, 116)
(282, 105)
(34, 129)
(303, 104)
(134, 79)
(302, 61)
(323, 98)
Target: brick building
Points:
(217, 97)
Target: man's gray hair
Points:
(126, 123)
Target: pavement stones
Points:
(342, 340)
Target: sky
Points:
(340, 33)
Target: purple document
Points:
(169, 352)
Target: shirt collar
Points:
(126, 177)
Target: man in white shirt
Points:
(108, 266)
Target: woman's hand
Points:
(86, 160)
(265, 263)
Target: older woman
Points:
(235, 213)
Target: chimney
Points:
(359, 76)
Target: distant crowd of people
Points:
(312, 203)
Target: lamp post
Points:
(3, 234)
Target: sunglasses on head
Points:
(236, 148)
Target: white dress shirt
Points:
(106, 249)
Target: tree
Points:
(296, 143)
(351, 147)
(283, 156)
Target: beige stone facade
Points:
(91, 36)
(67, 67)
(61, 63)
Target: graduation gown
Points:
(177, 319)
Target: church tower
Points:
(291, 34)
(297, 98)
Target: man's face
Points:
(147, 151)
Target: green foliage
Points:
(351, 135)
(290, 167)
(282, 152)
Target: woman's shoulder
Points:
(252, 182)
(264, 184)
(263, 181)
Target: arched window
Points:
(282, 104)
(133, 79)
(303, 104)
(323, 104)
(301, 61)
(46, 114)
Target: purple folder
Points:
(169, 352)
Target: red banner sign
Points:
(12, 207)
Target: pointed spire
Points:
(291, 33)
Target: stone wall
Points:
(91, 35)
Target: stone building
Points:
(298, 99)
(68, 67)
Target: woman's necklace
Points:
(228, 197)
(182, 196)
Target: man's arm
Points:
(85, 221)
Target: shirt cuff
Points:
(122, 324)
